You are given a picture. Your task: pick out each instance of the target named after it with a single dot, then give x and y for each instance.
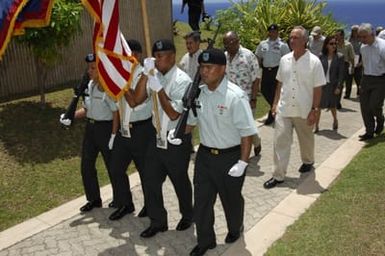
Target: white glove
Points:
(171, 138)
(111, 142)
(154, 83)
(66, 122)
(238, 169)
(148, 65)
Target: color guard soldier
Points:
(102, 124)
(130, 144)
(164, 159)
(226, 128)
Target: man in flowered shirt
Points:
(243, 70)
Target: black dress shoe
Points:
(121, 211)
(272, 183)
(183, 225)
(152, 231)
(143, 212)
(112, 205)
(91, 205)
(365, 137)
(305, 168)
(199, 251)
(231, 238)
(257, 150)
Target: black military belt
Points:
(271, 69)
(219, 151)
(138, 123)
(93, 121)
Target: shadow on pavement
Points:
(306, 184)
(331, 134)
(127, 231)
(343, 109)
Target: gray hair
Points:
(366, 27)
(305, 33)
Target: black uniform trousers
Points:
(211, 178)
(372, 95)
(160, 163)
(96, 138)
(268, 85)
(194, 15)
(124, 151)
(349, 79)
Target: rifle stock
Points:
(191, 94)
(79, 91)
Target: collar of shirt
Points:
(165, 79)
(307, 52)
(192, 55)
(220, 89)
(277, 40)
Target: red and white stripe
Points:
(113, 55)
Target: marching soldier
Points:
(102, 124)
(226, 128)
(130, 144)
(164, 159)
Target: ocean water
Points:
(344, 11)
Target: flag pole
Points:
(149, 54)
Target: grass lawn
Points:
(40, 160)
(350, 218)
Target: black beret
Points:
(90, 58)
(212, 56)
(163, 45)
(134, 45)
(272, 27)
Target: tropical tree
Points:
(46, 42)
(250, 18)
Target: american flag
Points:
(113, 55)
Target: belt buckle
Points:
(130, 125)
(92, 121)
(214, 151)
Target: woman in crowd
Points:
(333, 64)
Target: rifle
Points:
(78, 92)
(191, 94)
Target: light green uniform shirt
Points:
(224, 116)
(98, 104)
(143, 111)
(270, 52)
(175, 83)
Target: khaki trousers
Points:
(283, 138)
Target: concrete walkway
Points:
(64, 231)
